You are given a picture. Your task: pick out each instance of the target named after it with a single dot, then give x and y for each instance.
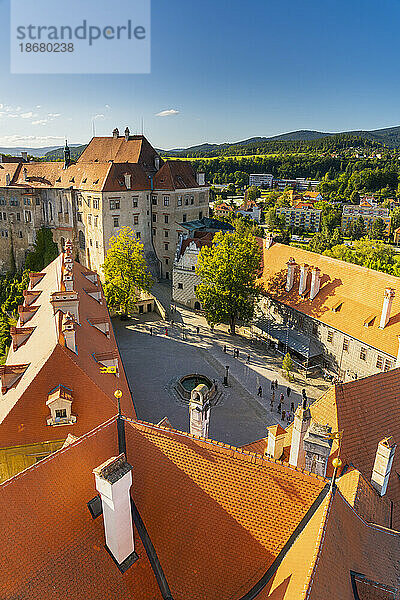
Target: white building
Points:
(261, 179)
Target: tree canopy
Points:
(125, 271)
(44, 251)
(229, 270)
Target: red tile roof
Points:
(360, 291)
(136, 150)
(23, 410)
(175, 175)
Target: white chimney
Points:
(201, 178)
(113, 482)
(387, 307)
(269, 240)
(303, 279)
(317, 447)
(115, 133)
(291, 265)
(128, 181)
(199, 411)
(127, 134)
(157, 162)
(276, 441)
(302, 419)
(383, 464)
(315, 282)
(68, 331)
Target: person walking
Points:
(272, 385)
(282, 398)
(276, 384)
(259, 392)
(225, 348)
(288, 391)
(151, 331)
(272, 403)
(198, 330)
(248, 359)
(283, 415)
(166, 331)
(279, 408)
(273, 395)
(292, 406)
(288, 417)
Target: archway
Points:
(197, 305)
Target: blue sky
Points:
(228, 70)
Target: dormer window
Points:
(60, 403)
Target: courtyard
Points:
(157, 353)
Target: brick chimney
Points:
(386, 307)
(315, 282)
(113, 482)
(291, 266)
(275, 442)
(302, 419)
(317, 448)
(383, 464)
(68, 331)
(303, 278)
(199, 411)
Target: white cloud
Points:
(40, 122)
(54, 115)
(34, 141)
(107, 106)
(95, 117)
(168, 113)
(27, 115)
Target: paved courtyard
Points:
(156, 355)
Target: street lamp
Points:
(226, 376)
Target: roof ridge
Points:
(235, 451)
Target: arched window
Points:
(82, 241)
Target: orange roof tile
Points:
(175, 175)
(136, 150)
(200, 500)
(360, 290)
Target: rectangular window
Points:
(184, 218)
(135, 201)
(200, 215)
(388, 365)
(97, 244)
(166, 233)
(116, 221)
(18, 216)
(138, 235)
(115, 204)
(79, 217)
(166, 219)
(154, 200)
(28, 216)
(96, 220)
(14, 201)
(363, 353)
(95, 203)
(154, 232)
(330, 336)
(136, 219)
(91, 242)
(2, 201)
(61, 413)
(27, 201)
(167, 261)
(379, 362)
(179, 202)
(186, 200)
(166, 200)
(165, 246)
(180, 286)
(89, 219)
(20, 234)
(154, 218)
(191, 199)
(346, 345)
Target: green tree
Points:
(395, 223)
(228, 271)
(355, 197)
(253, 193)
(378, 229)
(125, 271)
(357, 228)
(44, 251)
(287, 365)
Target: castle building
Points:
(62, 368)
(329, 313)
(117, 181)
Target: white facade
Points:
(184, 278)
(261, 179)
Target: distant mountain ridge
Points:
(37, 152)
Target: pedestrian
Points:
(292, 406)
(166, 331)
(276, 384)
(282, 398)
(198, 330)
(272, 385)
(272, 402)
(288, 390)
(283, 415)
(151, 331)
(303, 393)
(248, 359)
(273, 395)
(225, 348)
(288, 417)
(259, 393)
(279, 408)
